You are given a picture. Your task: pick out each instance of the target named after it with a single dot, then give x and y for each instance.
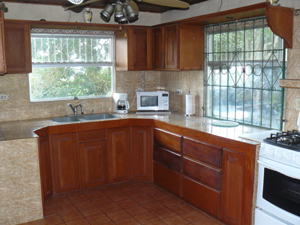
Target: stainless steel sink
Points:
(99, 116)
(78, 118)
(65, 119)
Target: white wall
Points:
(21, 11)
(212, 6)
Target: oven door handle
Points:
(280, 169)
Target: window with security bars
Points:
(244, 61)
(68, 66)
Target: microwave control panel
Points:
(165, 100)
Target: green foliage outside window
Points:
(65, 67)
(244, 61)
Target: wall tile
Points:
(293, 64)
(5, 213)
(296, 32)
(20, 186)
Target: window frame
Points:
(77, 64)
(213, 64)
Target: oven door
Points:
(278, 191)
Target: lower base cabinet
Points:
(201, 196)
(141, 153)
(66, 162)
(233, 186)
(118, 148)
(93, 158)
(45, 165)
(166, 178)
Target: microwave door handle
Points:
(280, 169)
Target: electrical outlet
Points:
(3, 97)
(139, 90)
(179, 91)
(298, 104)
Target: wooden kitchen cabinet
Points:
(167, 178)
(233, 185)
(93, 157)
(18, 46)
(167, 140)
(118, 148)
(158, 57)
(45, 167)
(168, 158)
(66, 162)
(134, 49)
(142, 145)
(178, 47)
(202, 196)
(172, 47)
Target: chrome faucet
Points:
(74, 108)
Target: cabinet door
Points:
(18, 46)
(158, 60)
(191, 47)
(201, 196)
(168, 140)
(66, 164)
(119, 154)
(139, 49)
(141, 153)
(93, 163)
(2, 45)
(232, 186)
(171, 47)
(167, 178)
(45, 167)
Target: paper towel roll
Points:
(189, 105)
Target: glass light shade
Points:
(132, 14)
(107, 12)
(76, 2)
(119, 12)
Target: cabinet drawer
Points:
(166, 178)
(203, 152)
(90, 135)
(201, 196)
(168, 140)
(203, 173)
(167, 158)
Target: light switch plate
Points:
(298, 104)
(3, 97)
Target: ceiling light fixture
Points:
(124, 12)
(76, 2)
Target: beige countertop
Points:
(25, 129)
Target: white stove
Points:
(278, 195)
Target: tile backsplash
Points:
(293, 72)
(19, 107)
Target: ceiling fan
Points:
(127, 10)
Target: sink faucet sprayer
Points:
(74, 108)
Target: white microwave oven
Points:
(152, 101)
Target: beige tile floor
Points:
(127, 203)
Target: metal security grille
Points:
(244, 61)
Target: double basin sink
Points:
(79, 118)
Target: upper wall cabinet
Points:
(134, 49)
(178, 47)
(17, 46)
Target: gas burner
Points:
(289, 139)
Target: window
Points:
(244, 61)
(66, 66)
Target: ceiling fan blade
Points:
(168, 3)
(84, 3)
